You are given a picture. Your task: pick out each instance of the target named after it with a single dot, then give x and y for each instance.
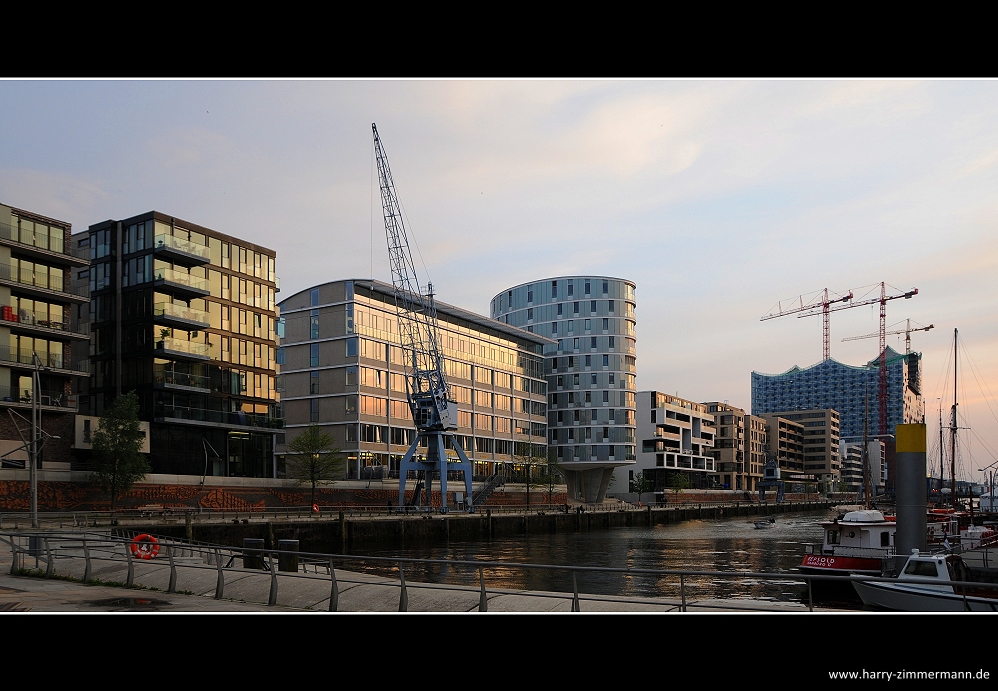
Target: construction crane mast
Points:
(433, 412)
(809, 308)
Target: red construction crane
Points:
(808, 308)
(823, 305)
(884, 297)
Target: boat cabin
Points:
(868, 532)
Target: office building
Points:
(844, 388)
(343, 368)
(37, 335)
(589, 363)
(677, 438)
(185, 316)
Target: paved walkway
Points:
(248, 590)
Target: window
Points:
(589, 324)
(606, 324)
(530, 296)
(575, 307)
(280, 356)
(313, 382)
(588, 290)
(592, 343)
(530, 313)
(554, 290)
(561, 382)
(554, 327)
(606, 399)
(575, 380)
(351, 376)
(349, 318)
(571, 288)
(611, 343)
(313, 297)
(313, 413)
(351, 347)
(313, 355)
(592, 379)
(606, 360)
(592, 307)
(610, 306)
(571, 325)
(576, 344)
(611, 378)
(589, 361)
(313, 324)
(606, 287)
(571, 362)
(560, 306)
(349, 290)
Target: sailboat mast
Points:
(942, 459)
(952, 448)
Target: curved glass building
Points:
(590, 372)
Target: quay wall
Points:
(347, 534)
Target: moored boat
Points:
(934, 583)
(854, 543)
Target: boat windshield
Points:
(921, 569)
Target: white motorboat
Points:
(934, 583)
(766, 523)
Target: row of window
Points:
(560, 309)
(33, 274)
(37, 234)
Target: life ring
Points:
(315, 508)
(144, 546)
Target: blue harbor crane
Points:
(434, 412)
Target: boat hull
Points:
(913, 598)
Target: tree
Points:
(315, 461)
(641, 484)
(679, 482)
(529, 458)
(117, 458)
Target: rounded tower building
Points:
(590, 372)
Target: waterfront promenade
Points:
(224, 586)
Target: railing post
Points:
(334, 590)
(172, 588)
(575, 594)
(220, 584)
(272, 598)
(810, 598)
(49, 566)
(131, 566)
(483, 601)
(682, 592)
(13, 555)
(86, 561)
(404, 595)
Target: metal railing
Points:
(179, 346)
(161, 375)
(60, 399)
(36, 318)
(43, 241)
(228, 418)
(25, 357)
(193, 565)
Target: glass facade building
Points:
(590, 368)
(342, 368)
(831, 384)
(185, 316)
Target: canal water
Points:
(727, 544)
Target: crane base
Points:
(436, 461)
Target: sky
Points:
(717, 198)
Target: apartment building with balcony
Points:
(186, 317)
(785, 442)
(42, 352)
(343, 369)
(676, 437)
(820, 440)
(733, 447)
(590, 368)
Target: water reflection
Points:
(731, 545)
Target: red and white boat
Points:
(854, 543)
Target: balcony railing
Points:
(42, 241)
(59, 399)
(181, 245)
(178, 346)
(35, 318)
(167, 309)
(161, 375)
(25, 357)
(181, 278)
(219, 416)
